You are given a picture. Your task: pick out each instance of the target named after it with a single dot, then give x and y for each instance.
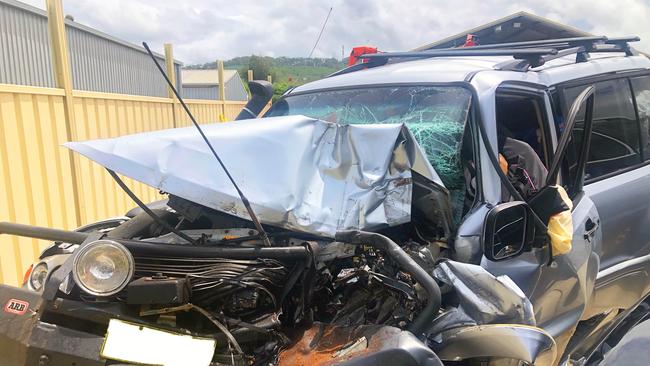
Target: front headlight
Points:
(38, 276)
(103, 267)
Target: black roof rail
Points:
(527, 54)
(524, 65)
(533, 55)
(359, 66)
(625, 39)
(623, 43)
(582, 53)
(554, 43)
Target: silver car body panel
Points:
(480, 73)
(298, 173)
(562, 292)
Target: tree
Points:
(261, 66)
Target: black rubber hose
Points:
(145, 248)
(45, 233)
(378, 241)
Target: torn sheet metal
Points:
(326, 345)
(525, 343)
(483, 298)
(298, 173)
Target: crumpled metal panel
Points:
(298, 173)
(326, 345)
(483, 298)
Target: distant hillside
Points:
(292, 70)
(286, 71)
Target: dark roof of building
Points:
(517, 27)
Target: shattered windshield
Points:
(436, 115)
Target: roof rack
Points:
(518, 53)
(558, 43)
(531, 55)
(524, 65)
(528, 54)
(618, 44)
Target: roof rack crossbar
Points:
(527, 54)
(524, 65)
(580, 52)
(532, 55)
(623, 43)
(359, 66)
(625, 39)
(555, 43)
(452, 52)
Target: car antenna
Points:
(264, 236)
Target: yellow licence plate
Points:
(128, 342)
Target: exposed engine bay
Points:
(359, 297)
(340, 254)
(349, 261)
(264, 302)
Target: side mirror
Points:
(261, 93)
(508, 231)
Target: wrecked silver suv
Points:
(373, 217)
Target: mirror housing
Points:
(261, 94)
(508, 231)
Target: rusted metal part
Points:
(356, 346)
(325, 344)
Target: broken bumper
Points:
(26, 340)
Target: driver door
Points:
(559, 287)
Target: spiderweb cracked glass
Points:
(435, 115)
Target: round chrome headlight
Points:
(38, 276)
(102, 268)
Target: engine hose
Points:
(144, 248)
(381, 242)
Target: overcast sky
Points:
(205, 30)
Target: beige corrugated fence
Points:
(41, 182)
(36, 181)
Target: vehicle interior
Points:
(521, 117)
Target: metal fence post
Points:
(63, 79)
(222, 91)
